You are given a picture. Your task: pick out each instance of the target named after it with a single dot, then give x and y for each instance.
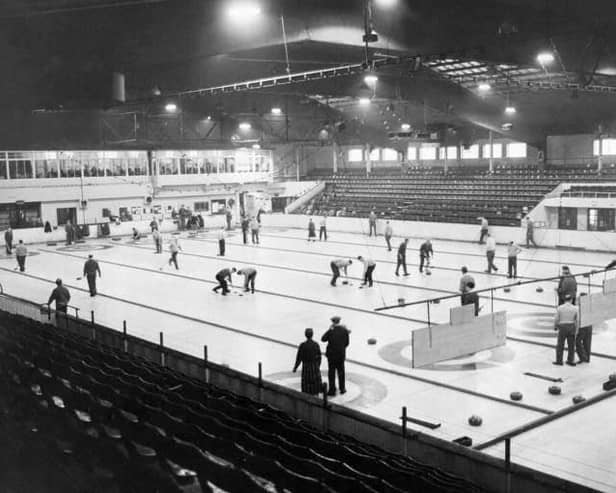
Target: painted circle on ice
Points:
(399, 353)
(84, 247)
(535, 324)
(4, 256)
(362, 391)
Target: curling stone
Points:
(372, 341)
(578, 398)
(475, 420)
(516, 396)
(400, 301)
(436, 302)
(555, 390)
(506, 290)
(539, 289)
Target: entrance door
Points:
(66, 214)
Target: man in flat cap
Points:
(90, 269)
(61, 296)
(337, 339)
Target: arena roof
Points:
(431, 58)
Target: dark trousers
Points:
(566, 332)
(423, 260)
(9, 247)
(401, 263)
(69, 237)
(335, 365)
(228, 222)
(249, 282)
(388, 240)
(372, 228)
(222, 283)
(484, 233)
(512, 266)
(335, 273)
(221, 247)
(159, 246)
(91, 283)
(174, 259)
(61, 308)
(368, 275)
(322, 233)
(255, 236)
(529, 240)
(245, 236)
(490, 256)
(582, 343)
(21, 260)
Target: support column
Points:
(491, 152)
(335, 157)
(368, 161)
(297, 158)
(600, 156)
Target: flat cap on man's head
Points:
(58, 281)
(335, 319)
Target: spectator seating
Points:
(137, 426)
(459, 196)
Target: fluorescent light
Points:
(405, 127)
(371, 79)
(256, 146)
(243, 10)
(510, 110)
(245, 126)
(364, 101)
(545, 57)
(171, 107)
(276, 111)
(484, 86)
(386, 3)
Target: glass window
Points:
(356, 155)
(427, 153)
(375, 154)
(471, 152)
(452, 152)
(595, 147)
(600, 219)
(516, 149)
(3, 170)
(117, 167)
(202, 206)
(608, 147)
(497, 151)
(20, 169)
(567, 218)
(411, 153)
(390, 154)
(168, 166)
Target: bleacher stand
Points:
(107, 421)
(429, 194)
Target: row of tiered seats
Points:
(458, 195)
(142, 427)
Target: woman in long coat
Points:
(309, 355)
(312, 231)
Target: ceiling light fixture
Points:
(484, 86)
(245, 126)
(371, 79)
(405, 127)
(243, 10)
(276, 111)
(171, 107)
(545, 57)
(364, 101)
(510, 110)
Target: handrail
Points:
(49, 309)
(491, 289)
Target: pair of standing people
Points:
(309, 356)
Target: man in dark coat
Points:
(61, 296)
(337, 338)
(245, 225)
(90, 268)
(21, 252)
(222, 277)
(8, 240)
(425, 252)
(566, 286)
(402, 257)
(70, 232)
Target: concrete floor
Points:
(293, 292)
